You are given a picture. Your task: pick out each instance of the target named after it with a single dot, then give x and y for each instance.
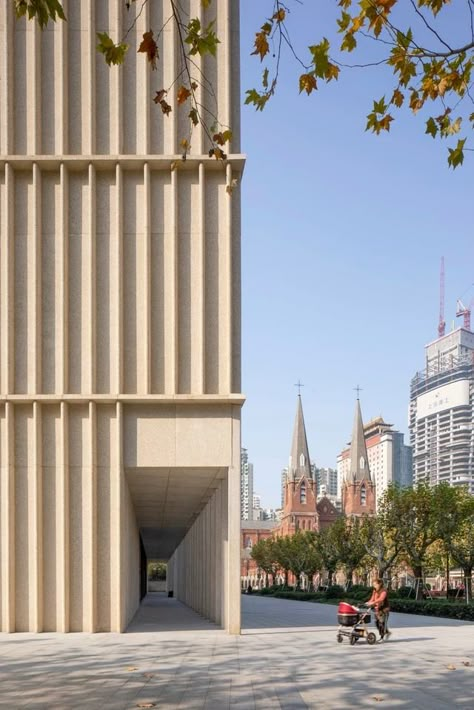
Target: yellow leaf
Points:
(280, 15)
(308, 83)
(261, 45)
(450, 667)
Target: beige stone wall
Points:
(119, 288)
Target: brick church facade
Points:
(301, 510)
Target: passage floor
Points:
(287, 657)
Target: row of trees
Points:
(422, 527)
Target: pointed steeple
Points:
(299, 464)
(359, 470)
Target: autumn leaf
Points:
(182, 95)
(279, 15)
(205, 3)
(308, 83)
(159, 96)
(397, 98)
(193, 115)
(222, 137)
(450, 667)
(261, 45)
(165, 107)
(217, 153)
(131, 668)
(149, 47)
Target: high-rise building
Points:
(326, 480)
(442, 412)
(389, 458)
(246, 487)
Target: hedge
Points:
(445, 609)
(429, 607)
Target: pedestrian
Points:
(249, 589)
(379, 600)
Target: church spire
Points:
(359, 470)
(299, 464)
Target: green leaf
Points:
(202, 40)
(456, 155)
(431, 127)
(320, 57)
(380, 106)
(43, 10)
(113, 53)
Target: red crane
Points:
(442, 322)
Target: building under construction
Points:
(442, 412)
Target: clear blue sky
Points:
(342, 237)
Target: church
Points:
(302, 511)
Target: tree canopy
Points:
(428, 46)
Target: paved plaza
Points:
(287, 657)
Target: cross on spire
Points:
(358, 390)
(299, 385)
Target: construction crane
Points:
(465, 312)
(442, 322)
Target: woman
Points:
(379, 600)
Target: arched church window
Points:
(303, 524)
(303, 493)
(362, 462)
(301, 459)
(363, 495)
(248, 543)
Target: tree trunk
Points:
(468, 584)
(418, 572)
(330, 574)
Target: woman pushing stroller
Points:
(379, 600)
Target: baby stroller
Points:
(353, 623)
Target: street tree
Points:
(456, 531)
(381, 538)
(426, 45)
(348, 542)
(264, 554)
(417, 512)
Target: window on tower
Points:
(303, 493)
(363, 495)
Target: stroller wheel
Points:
(340, 638)
(371, 638)
(354, 639)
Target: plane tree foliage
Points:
(430, 59)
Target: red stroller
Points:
(353, 623)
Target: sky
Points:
(342, 237)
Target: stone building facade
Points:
(120, 391)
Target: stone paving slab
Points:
(287, 658)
